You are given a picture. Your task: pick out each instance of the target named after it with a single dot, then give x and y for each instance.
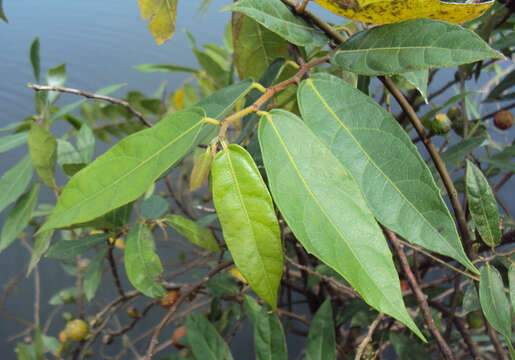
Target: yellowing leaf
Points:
(391, 11)
(162, 14)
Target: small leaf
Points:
(482, 205)
(9, 142)
(15, 181)
(93, 275)
(201, 169)
(125, 172)
(164, 68)
(142, 264)
(55, 77)
(86, 143)
(321, 202)
(41, 244)
(406, 348)
(205, 342)
(409, 46)
(470, 300)
(269, 339)
(66, 249)
(511, 278)
(497, 92)
(162, 14)
(464, 147)
(277, 17)
(219, 104)
(193, 232)
(154, 207)
(321, 338)
(43, 152)
(418, 79)
(34, 58)
(493, 300)
(248, 220)
(2, 15)
(19, 217)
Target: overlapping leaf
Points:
(93, 275)
(321, 338)
(15, 181)
(12, 141)
(195, 233)
(163, 14)
(125, 172)
(67, 249)
(248, 220)
(367, 140)
(43, 152)
(205, 342)
(409, 46)
(390, 11)
(322, 204)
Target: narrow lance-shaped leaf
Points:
(322, 204)
(482, 205)
(367, 140)
(163, 14)
(248, 220)
(277, 17)
(511, 279)
(411, 45)
(321, 338)
(269, 339)
(125, 172)
(195, 233)
(41, 244)
(142, 264)
(34, 59)
(67, 249)
(205, 342)
(43, 152)
(15, 181)
(164, 68)
(93, 275)
(9, 142)
(19, 217)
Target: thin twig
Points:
(114, 270)
(368, 337)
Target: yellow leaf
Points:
(391, 11)
(162, 14)
(238, 275)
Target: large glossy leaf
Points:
(269, 339)
(43, 152)
(9, 142)
(205, 342)
(162, 14)
(493, 300)
(67, 249)
(126, 171)
(15, 181)
(193, 232)
(322, 204)
(41, 244)
(411, 45)
(255, 47)
(19, 216)
(390, 11)
(395, 181)
(142, 264)
(321, 338)
(277, 17)
(482, 205)
(248, 220)
(93, 275)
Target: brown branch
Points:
(114, 271)
(125, 104)
(419, 295)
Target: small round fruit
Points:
(77, 329)
(475, 320)
(441, 124)
(503, 119)
(454, 114)
(132, 312)
(107, 339)
(177, 335)
(170, 298)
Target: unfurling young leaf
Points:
(248, 220)
(163, 14)
(195, 233)
(43, 152)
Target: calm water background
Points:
(100, 42)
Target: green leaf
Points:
(464, 147)
(162, 14)
(248, 220)
(322, 204)
(164, 68)
(9, 142)
(482, 205)
(154, 207)
(497, 92)
(125, 172)
(24, 351)
(43, 152)
(277, 17)
(269, 339)
(503, 159)
(86, 143)
(34, 59)
(201, 169)
(142, 264)
(19, 216)
(219, 104)
(14, 182)
(41, 244)
(493, 300)
(321, 338)
(2, 15)
(205, 342)
(66, 249)
(214, 66)
(368, 141)
(55, 77)
(93, 275)
(511, 278)
(411, 45)
(195, 233)
(470, 300)
(406, 348)
(255, 47)
(417, 79)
